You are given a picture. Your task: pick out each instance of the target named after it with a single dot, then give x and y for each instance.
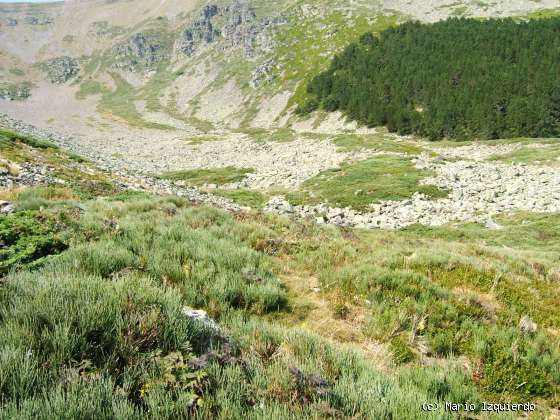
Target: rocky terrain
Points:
(215, 63)
(477, 189)
(13, 175)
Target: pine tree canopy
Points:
(460, 78)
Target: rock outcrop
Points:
(61, 69)
(201, 31)
(263, 73)
(236, 25)
(13, 92)
(140, 53)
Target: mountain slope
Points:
(193, 66)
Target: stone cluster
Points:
(38, 20)
(61, 69)
(25, 175)
(263, 73)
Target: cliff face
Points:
(235, 26)
(141, 52)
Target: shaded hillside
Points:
(460, 78)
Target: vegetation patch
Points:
(381, 142)
(549, 155)
(358, 184)
(103, 316)
(9, 139)
(27, 238)
(461, 78)
(248, 198)
(89, 87)
(217, 176)
(203, 139)
(277, 135)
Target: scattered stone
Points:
(491, 224)
(25, 175)
(36, 175)
(224, 357)
(280, 205)
(38, 20)
(527, 326)
(315, 383)
(477, 189)
(6, 207)
(200, 316)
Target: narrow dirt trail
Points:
(314, 311)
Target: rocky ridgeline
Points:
(236, 25)
(32, 175)
(15, 91)
(477, 192)
(142, 52)
(61, 69)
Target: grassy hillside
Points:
(311, 321)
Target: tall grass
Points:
(98, 330)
